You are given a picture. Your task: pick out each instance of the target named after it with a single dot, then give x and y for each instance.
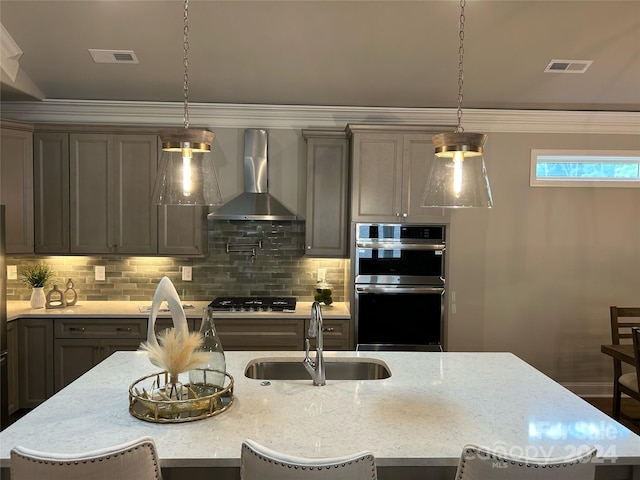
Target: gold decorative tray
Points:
(154, 408)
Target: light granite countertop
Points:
(120, 309)
(422, 416)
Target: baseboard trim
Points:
(590, 389)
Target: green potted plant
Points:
(37, 276)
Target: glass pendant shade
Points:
(187, 175)
(458, 177)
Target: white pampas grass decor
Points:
(176, 352)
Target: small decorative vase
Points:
(174, 389)
(38, 298)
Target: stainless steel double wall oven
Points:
(399, 276)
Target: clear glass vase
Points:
(209, 377)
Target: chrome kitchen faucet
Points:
(315, 369)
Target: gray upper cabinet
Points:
(390, 166)
(16, 185)
(51, 192)
(182, 230)
(111, 180)
(327, 221)
(93, 195)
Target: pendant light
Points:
(187, 175)
(458, 177)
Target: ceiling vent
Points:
(113, 56)
(568, 66)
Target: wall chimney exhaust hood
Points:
(255, 203)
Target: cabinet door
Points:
(51, 192)
(377, 177)
(260, 334)
(418, 158)
(135, 218)
(112, 179)
(91, 201)
(72, 358)
(326, 226)
(336, 334)
(13, 375)
(16, 188)
(107, 347)
(182, 230)
(35, 361)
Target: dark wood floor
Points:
(629, 405)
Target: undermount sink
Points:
(335, 368)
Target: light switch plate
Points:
(12, 272)
(187, 274)
(99, 272)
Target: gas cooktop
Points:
(254, 304)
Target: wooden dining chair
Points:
(623, 319)
(134, 460)
(478, 463)
(630, 382)
(258, 462)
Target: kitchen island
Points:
(416, 422)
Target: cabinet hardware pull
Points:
(328, 329)
(121, 329)
(76, 329)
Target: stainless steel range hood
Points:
(255, 203)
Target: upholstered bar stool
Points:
(261, 463)
(135, 460)
(478, 463)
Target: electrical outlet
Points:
(12, 272)
(99, 272)
(187, 273)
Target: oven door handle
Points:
(401, 246)
(398, 289)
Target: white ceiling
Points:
(386, 53)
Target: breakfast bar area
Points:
(415, 422)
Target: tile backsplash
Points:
(244, 258)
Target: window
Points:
(585, 168)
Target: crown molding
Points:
(305, 117)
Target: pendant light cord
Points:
(185, 42)
(459, 128)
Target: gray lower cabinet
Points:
(260, 334)
(13, 384)
(74, 357)
(16, 184)
(390, 166)
(35, 361)
(80, 344)
(336, 334)
(51, 353)
(327, 224)
(279, 334)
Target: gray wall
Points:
(536, 274)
